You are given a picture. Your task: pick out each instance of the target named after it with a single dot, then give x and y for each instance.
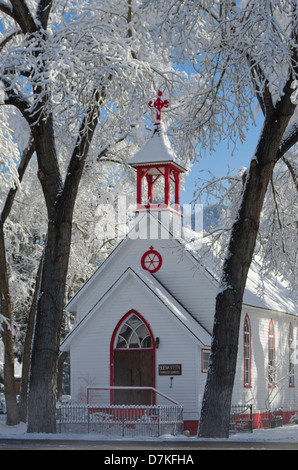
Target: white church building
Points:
(144, 319)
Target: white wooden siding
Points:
(90, 349)
(196, 291)
(260, 394)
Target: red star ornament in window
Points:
(151, 260)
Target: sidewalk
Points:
(287, 433)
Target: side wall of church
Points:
(263, 395)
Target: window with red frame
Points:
(271, 355)
(247, 353)
(291, 356)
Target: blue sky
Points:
(219, 162)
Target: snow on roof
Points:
(161, 294)
(262, 291)
(272, 292)
(157, 149)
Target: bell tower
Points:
(157, 161)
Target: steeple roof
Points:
(157, 150)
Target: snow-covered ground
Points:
(288, 433)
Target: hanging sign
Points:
(169, 369)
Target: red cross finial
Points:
(158, 105)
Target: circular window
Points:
(151, 260)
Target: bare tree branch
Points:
(261, 86)
(8, 38)
(43, 12)
(17, 100)
(22, 15)
(7, 9)
(290, 138)
(80, 152)
(291, 170)
(25, 159)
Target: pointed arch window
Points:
(134, 334)
(291, 356)
(271, 355)
(247, 352)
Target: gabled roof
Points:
(71, 305)
(157, 150)
(142, 225)
(275, 296)
(152, 287)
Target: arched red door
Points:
(132, 360)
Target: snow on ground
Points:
(288, 433)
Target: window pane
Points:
(205, 359)
(146, 342)
(291, 353)
(126, 332)
(134, 334)
(142, 332)
(134, 322)
(121, 343)
(271, 358)
(247, 353)
(134, 341)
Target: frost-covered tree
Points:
(9, 189)
(276, 247)
(244, 52)
(79, 73)
(23, 226)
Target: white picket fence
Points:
(120, 420)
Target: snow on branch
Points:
(4, 321)
(2, 93)
(289, 139)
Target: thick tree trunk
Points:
(23, 400)
(60, 200)
(215, 412)
(49, 309)
(45, 348)
(9, 379)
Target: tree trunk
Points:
(12, 409)
(60, 200)
(215, 412)
(9, 379)
(23, 401)
(45, 348)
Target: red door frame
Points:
(115, 332)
